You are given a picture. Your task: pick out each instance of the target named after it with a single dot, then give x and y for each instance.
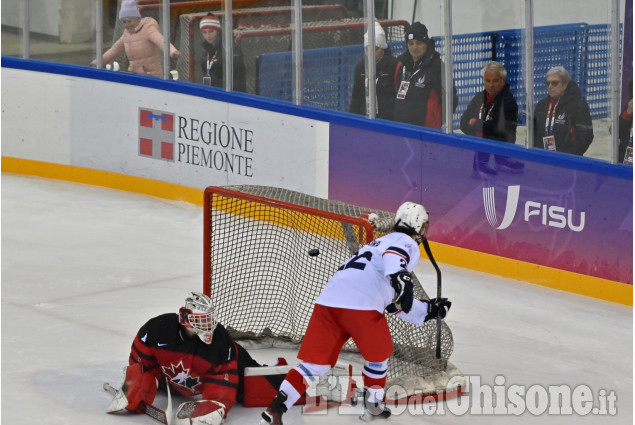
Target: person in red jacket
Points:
(419, 81)
(195, 354)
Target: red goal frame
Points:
(207, 225)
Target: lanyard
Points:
(403, 73)
(489, 111)
(550, 111)
(211, 62)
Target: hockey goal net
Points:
(268, 254)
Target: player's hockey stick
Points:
(150, 410)
(426, 246)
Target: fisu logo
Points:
(549, 215)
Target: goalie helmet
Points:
(199, 315)
(412, 216)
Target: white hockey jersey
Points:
(363, 282)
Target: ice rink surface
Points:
(84, 267)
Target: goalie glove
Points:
(401, 282)
(203, 412)
(436, 306)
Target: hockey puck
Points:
(314, 252)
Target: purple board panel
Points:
(549, 215)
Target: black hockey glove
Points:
(401, 282)
(436, 306)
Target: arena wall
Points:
(565, 222)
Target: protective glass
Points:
(552, 83)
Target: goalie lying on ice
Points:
(195, 354)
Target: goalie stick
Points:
(150, 410)
(426, 246)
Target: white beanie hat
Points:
(380, 37)
(129, 10)
(210, 22)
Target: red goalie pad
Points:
(333, 389)
(139, 387)
(262, 384)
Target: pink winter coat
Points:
(143, 48)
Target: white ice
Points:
(83, 267)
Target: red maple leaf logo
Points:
(179, 375)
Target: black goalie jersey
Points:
(192, 367)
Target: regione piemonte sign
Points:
(156, 134)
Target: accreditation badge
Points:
(628, 157)
(549, 142)
(403, 90)
(207, 80)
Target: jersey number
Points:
(355, 263)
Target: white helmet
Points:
(412, 216)
(199, 315)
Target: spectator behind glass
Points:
(141, 40)
(385, 65)
(493, 114)
(625, 150)
(212, 57)
(562, 120)
(419, 81)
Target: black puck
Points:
(314, 252)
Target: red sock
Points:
(297, 381)
(374, 382)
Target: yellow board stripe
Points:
(550, 277)
(125, 182)
(596, 287)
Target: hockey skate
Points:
(273, 414)
(373, 409)
(508, 165)
(481, 169)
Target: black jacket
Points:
(385, 87)
(423, 104)
(192, 368)
(496, 120)
(572, 125)
(624, 129)
(212, 55)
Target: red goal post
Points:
(238, 203)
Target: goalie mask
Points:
(412, 216)
(199, 315)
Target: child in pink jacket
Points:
(141, 40)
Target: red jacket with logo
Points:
(192, 367)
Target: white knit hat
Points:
(380, 37)
(210, 22)
(129, 10)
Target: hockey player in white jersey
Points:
(376, 279)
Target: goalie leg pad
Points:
(262, 383)
(139, 387)
(203, 412)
